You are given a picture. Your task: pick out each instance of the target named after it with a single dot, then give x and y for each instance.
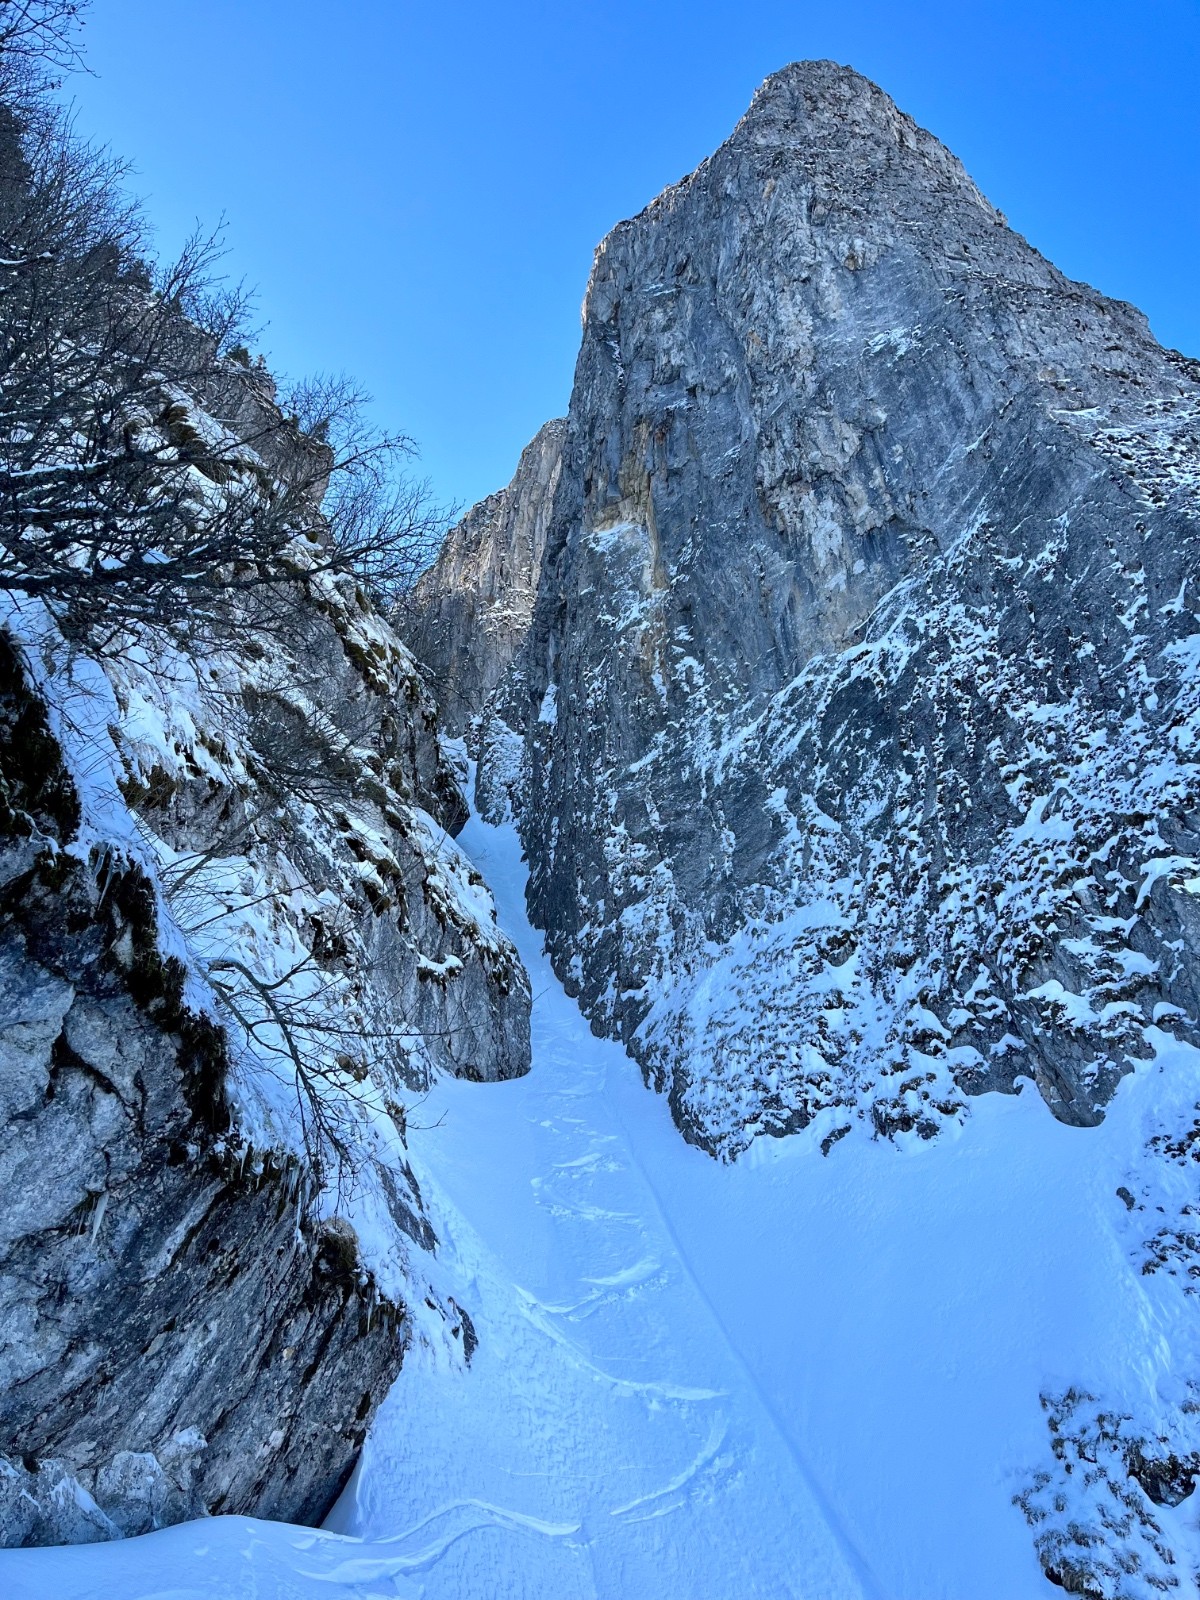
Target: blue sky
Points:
(416, 189)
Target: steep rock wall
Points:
(470, 611)
(853, 739)
(236, 939)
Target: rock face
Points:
(173, 1340)
(236, 938)
(471, 610)
(853, 740)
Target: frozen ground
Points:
(796, 1376)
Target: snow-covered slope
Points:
(789, 1376)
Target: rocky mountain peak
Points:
(865, 514)
(832, 133)
(809, 103)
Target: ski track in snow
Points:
(794, 1377)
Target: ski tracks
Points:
(606, 1399)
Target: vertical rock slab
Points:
(854, 736)
(469, 613)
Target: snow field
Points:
(791, 1376)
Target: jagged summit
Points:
(807, 100)
(854, 741)
(829, 149)
(844, 132)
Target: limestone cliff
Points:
(236, 940)
(855, 726)
(470, 611)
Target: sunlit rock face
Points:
(853, 738)
(470, 611)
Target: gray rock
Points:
(471, 610)
(854, 735)
(174, 1336)
(188, 1322)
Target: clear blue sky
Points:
(416, 189)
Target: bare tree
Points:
(153, 478)
(41, 33)
(146, 468)
(384, 525)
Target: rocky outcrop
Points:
(161, 1304)
(236, 940)
(854, 737)
(470, 611)
(177, 1337)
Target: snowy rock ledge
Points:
(237, 942)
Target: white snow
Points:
(792, 1375)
